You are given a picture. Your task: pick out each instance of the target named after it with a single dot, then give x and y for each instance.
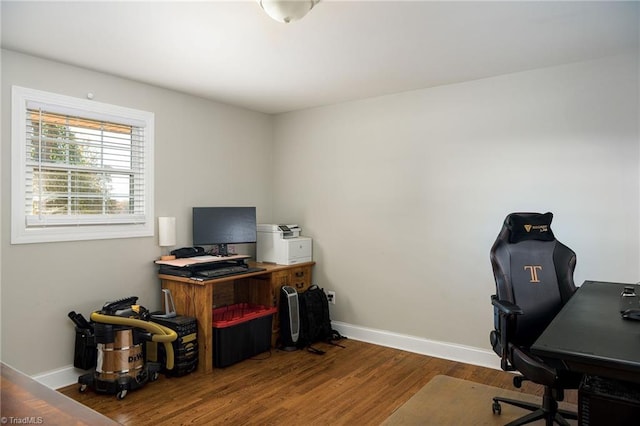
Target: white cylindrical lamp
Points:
(167, 234)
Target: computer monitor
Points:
(219, 226)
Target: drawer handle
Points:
(299, 274)
(299, 285)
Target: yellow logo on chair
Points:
(533, 270)
(540, 228)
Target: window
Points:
(81, 169)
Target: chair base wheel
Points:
(548, 412)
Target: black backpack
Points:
(315, 323)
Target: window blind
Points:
(82, 171)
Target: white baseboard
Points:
(59, 378)
(66, 376)
(450, 351)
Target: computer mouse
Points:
(632, 314)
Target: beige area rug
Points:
(450, 401)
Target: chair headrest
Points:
(529, 226)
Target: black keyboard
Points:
(225, 271)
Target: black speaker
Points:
(608, 402)
(289, 318)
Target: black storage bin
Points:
(240, 331)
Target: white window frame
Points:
(21, 231)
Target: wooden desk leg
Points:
(204, 309)
(196, 300)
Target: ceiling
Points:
(232, 52)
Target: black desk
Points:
(590, 336)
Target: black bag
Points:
(315, 322)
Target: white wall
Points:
(206, 154)
(404, 194)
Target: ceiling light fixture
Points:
(287, 10)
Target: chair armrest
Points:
(505, 313)
(505, 307)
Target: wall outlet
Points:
(331, 297)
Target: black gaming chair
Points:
(534, 279)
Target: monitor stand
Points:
(222, 250)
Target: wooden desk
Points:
(24, 400)
(589, 336)
(198, 298)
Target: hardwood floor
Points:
(358, 384)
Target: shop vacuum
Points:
(111, 345)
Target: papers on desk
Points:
(188, 261)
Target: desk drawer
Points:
(301, 278)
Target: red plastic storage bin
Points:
(240, 331)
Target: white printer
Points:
(282, 244)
